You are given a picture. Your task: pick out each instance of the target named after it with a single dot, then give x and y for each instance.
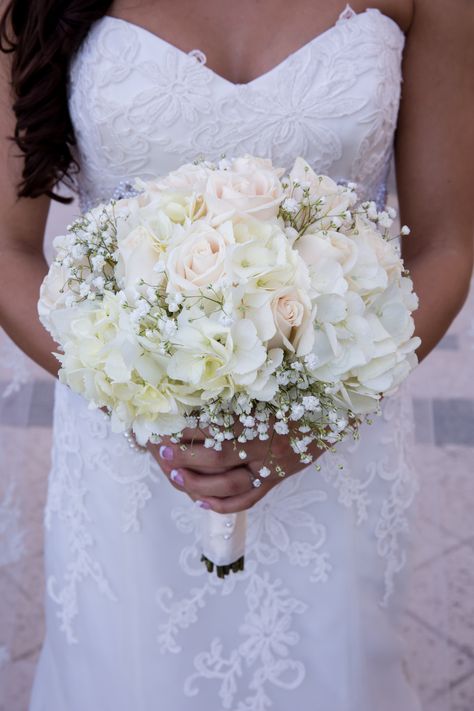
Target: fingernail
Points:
(166, 453)
(203, 504)
(177, 477)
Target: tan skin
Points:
(434, 157)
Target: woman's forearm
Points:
(22, 272)
(441, 278)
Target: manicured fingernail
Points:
(203, 504)
(166, 453)
(177, 477)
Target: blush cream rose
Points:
(237, 300)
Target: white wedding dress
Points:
(134, 621)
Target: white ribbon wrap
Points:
(223, 536)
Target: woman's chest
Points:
(142, 106)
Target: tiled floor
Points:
(438, 622)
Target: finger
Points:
(233, 483)
(196, 457)
(241, 502)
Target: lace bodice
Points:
(140, 106)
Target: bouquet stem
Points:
(223, 542)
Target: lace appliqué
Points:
(264, 654)
(393, 525)
(67, 495)
(270, 536)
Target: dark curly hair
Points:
(42, 36)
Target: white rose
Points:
(252, 187)
(337, 198)
(198, 259)
(138, 253)
(293, 319)
(189, 177)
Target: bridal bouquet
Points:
(230, 298)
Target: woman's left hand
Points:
(222, 481)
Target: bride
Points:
(102, 92)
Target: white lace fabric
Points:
(131, 611)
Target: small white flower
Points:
(167, 327)
(385, 220)
(247, 420)
(242, 454)
(99, 282)
(98, 262)
(142, 308)
(174, 301)
(281, 428)
(264, 472)
(290, 205)
(151, 294)
(311, 361)
(250, 434)
(84, 289)
(78, 251)
(372, 213)
(405, 230)
(310, 403)
(209, 443)
(297, 411)
(283, 378)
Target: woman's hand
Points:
(222, 481)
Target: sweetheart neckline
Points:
(304, 47)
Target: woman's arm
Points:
(435, 161)
(22, 264)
